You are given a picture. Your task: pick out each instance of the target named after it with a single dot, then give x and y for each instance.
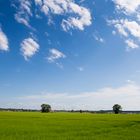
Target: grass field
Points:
(68, 126)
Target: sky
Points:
(71, 54)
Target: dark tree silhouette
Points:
(117, 108)
(45, 108)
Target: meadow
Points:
(68, 126)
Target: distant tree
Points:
(117, 108)
(45, 108)
(72, 110)
(81, 111)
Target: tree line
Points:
(45, 108)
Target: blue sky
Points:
(71, 54)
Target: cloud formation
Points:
(128, 6)
(131, 44)
(4, 45)
(128, 26)
(29, 47)
(78, 16)
(24, 12)
(80, 22)
(127, 95)
(55, 55)
(98, 38)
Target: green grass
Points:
(68, 126)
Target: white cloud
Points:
(24, 12)
(55, 55)
(80, 22)
(38, 2)
(22, 20)
(97, 38)
(119, 26)
(128, 29)
(3, 41)
(29, 47)
(78, 16)
(131, 44)
(127, 95)
(133, 28)
(128, 6)
(128, 26)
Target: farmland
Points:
(68, 126)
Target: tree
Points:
(45, 108)
(117, 108)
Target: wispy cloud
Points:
(24, 12)
(99, 39)
(4, 45)
(131, 44)
(78, 16)
(126, 95)
(55, 55)
(80, 22)
(128, 26)
(127, 6)
(29, 47)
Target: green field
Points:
(68, 126)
